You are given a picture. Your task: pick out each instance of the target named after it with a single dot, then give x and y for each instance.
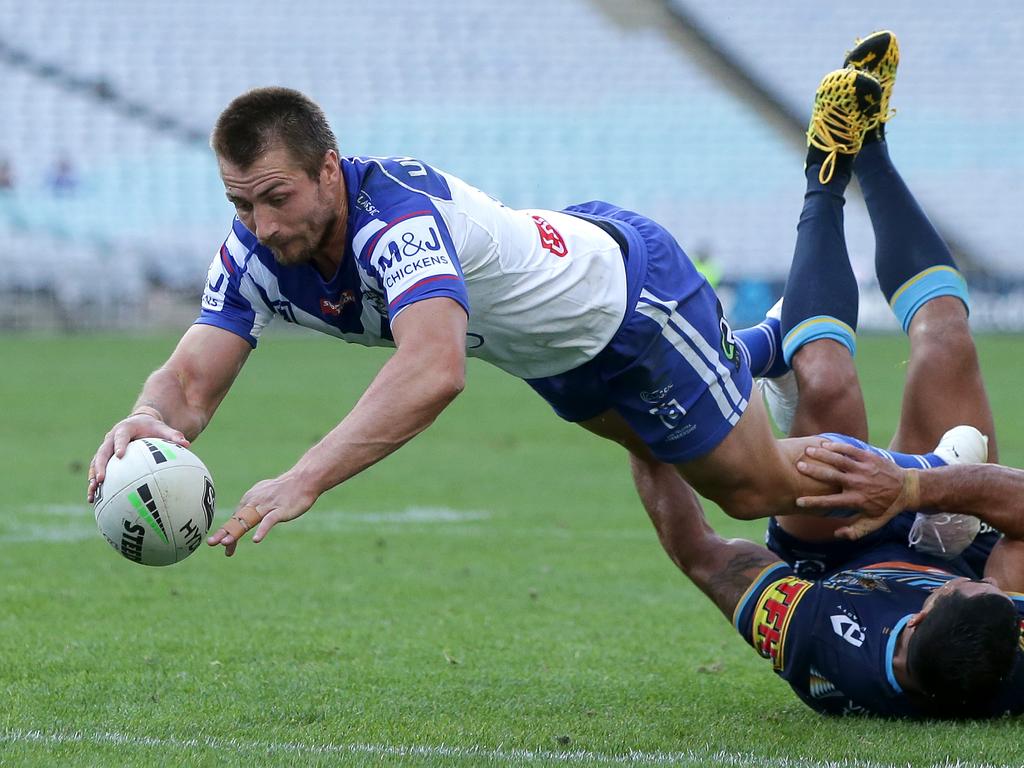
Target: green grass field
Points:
(491, 595)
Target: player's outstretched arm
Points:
(991, 492)
(179, 398)
(722, 569)
(424, 375)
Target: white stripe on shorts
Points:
(685, 338)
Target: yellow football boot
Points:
(846, 106)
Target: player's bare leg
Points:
(749, 474)
(819, 311)
(830, 395)
(944, 383)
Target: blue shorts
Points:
(672, 370)
(813, 560)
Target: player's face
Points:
(290, 213)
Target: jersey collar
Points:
(890, 651)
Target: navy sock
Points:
(912, 262)
(821, 298)
(762, 346)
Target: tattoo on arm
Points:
(742, 562)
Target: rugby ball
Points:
(156, 503)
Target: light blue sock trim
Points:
(818, 327)
(937, 281)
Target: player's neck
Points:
(899, 663)
(331, 251)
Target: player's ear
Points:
(330, 168)
(918, 617)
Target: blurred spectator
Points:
(63, 179)
(706, 265)
(6, 175)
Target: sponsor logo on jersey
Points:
(376, 300)
(364, 201)
(412, 251)
(656, 395)
(728, 343)
(550, 238)
(680, 433)
(335, 308)
(773, 615)
(131, 541)
(216, 286)
(848, 629)
(474, 340)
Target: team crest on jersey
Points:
(772, 617)
(334, 308)
(550, 237)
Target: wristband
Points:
(910, 493)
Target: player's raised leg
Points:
(919, 278)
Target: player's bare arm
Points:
(179, 398)
(721, 568)
(988, 491)
(424, 375)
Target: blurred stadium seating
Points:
(538, 103)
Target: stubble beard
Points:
(309, 254)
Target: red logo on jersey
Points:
(550, 238)
(773, 614)
(333, 309)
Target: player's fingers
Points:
(264, 527)
(174, 436)
(850, 451)
(830, 501)
(830, 457)
(236, 527)
(90, 491)
(103, 454)
(859, 529)
(121, 439)
(822, 472)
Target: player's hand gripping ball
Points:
(156, 503)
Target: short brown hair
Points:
(258, 119)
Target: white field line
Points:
(71, 523)
(511, 755)
(409, 515)
(75, 522)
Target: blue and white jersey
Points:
(833, 640)
(545, 291)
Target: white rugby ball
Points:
(156, 503)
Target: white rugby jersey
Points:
(545, 291)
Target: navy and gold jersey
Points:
(833, 639)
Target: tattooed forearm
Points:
(740, 563)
